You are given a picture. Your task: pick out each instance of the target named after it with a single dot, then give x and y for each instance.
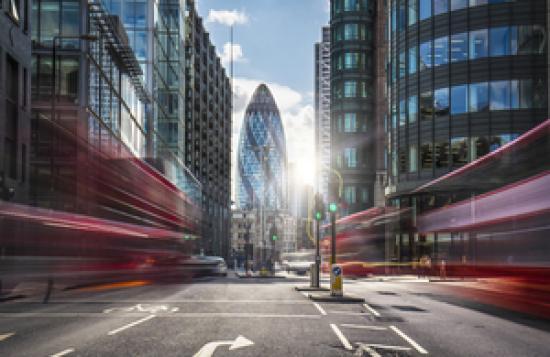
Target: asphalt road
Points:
(254, 317)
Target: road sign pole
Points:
(333, 238)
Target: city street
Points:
(263, 317)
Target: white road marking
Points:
(373, 311)
(175, 309)
(132, 324)
(368, 349)
(350, 313)
(409, 340)
(321, 310)
(63, 353)
(209, 349)
(341, 336)
(5, 336)
(26, 315)
(366, 327)
(386, 347)
(305, 294)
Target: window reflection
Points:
(402, 113)
(478, 44)
(458, 4)
(425, 55)
(413, 108)
(479, 97)
(441, 101)
(412, 60)
(413, 11)
(459, 99)
(479, 146)
(500, 95)
(531, 39)
(501, 40)
(459, 151)
(413, 158)
(426, 105)
(426, 155)
(459, 47)
(425, 9)
(440, 6)
(441, 154)
(441, 51)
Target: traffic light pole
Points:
(333, 238)
(317, 255)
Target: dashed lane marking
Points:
(63, 353)
(373, 311)
(132, 324)
(412, 342)
(365, 327)
(341, 336)
(321, 310)
(5, 336)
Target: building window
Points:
(441, 51)
(413, 11)
(350, 194)
(426, 105)
(478, 44)
(350, 157)
(413, 158)
(350, 122)
(531, 39)
(364, 195)
(441, 101)
(459, 99)
(401, 16)
(479, 146)
(441, 155)
(351, 60)
(402, 65)
(350, 89)
(426, 155)
(479, 97)
(413, 108)
(402, 113)
(503, 41)
(526, 93)
(425, 55)
(459, 151)
(12, 117)
(413, 63)
(500, 95)
(459, 47)
(351, 31)
(441, 6)
(458, 4)
(425, 9)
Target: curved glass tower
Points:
(262, 140)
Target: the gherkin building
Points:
(262, 139)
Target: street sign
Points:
(336, 280)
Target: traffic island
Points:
(345, 299)
(310, 288)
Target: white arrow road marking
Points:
(63, 353)
(409, 340)
(6, 336)
(208, 349)
(130, 325)
(369, 350)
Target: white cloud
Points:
(227, 17)
(297, 115)
(238, 55)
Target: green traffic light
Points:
(318, 216)
(333, 207)
(274, 237)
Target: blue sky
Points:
(273, 43)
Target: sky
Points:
(273, 43)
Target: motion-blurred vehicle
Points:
(203, 265)
(298, 262)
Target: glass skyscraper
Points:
(262, 141)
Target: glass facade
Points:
(262, 157)
(462, 93)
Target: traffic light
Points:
(319, 208)
(273, 233)
(333, 207)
